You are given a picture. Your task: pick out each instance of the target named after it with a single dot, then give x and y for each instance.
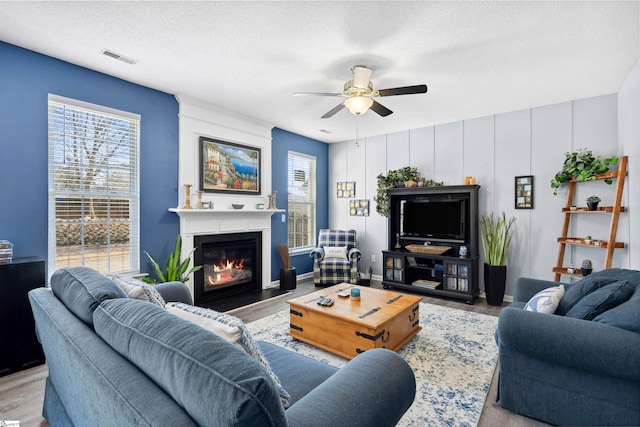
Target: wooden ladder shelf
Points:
(609, 245)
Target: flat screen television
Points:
(443, 220)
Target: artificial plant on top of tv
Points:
(393, 179)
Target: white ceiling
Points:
(477, 58)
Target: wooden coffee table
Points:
(381, 319)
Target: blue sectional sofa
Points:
(572, 371)
(118, 361)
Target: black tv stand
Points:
(445, 274)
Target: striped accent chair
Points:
(335, 260)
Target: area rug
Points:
(453, 358)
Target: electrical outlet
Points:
(373, 258)
(284, 218)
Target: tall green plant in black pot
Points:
(287, 272)
(496, 238)
(176, 269)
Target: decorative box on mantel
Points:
(201, 222)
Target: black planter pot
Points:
(495, 279)
(287, 279)
(592, 206)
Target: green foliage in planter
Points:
(176, 270)
(496, 237)
(582, 166)
(593, 199)
(391, 179)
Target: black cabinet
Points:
(19, 347)
(452, 277)
(447, 273)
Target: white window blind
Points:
(94, 187)
(302, 201)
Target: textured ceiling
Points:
(477, 58)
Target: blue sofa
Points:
(570, 371)
(118, 361)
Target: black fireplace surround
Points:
(231, 265)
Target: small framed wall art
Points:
(346, 189)
(359, 207)
(524, 192)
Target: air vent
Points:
(119, 57)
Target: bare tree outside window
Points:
(94, 189)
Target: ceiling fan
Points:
(360, 93)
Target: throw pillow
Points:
(546, 301)
(206, 319)
(625, 316)
(137, 289)
(335, 252)
(234, 326)
(581, 288)
(601, 300)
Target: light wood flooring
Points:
(22, 393)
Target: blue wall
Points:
(282, 142)
(26, 78)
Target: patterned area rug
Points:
(453, 358)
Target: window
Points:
(94, 188)
(302, 201)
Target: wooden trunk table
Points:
(381, 319)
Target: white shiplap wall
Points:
(629, 143)
(494, 149)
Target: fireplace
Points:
(231, 265)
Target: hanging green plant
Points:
(581, 165)
(397, 178)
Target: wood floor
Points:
(21, 394)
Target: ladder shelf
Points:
(570, 211)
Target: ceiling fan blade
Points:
(406, 90)
(333, 111)
(361, 76)
(380, 109)
(316, 94)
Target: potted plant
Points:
(287, 272)
(592, 202)
(176, 271)
(587, 267)
(581, 165)
(587, 240)
(497, 233)
(365, 277)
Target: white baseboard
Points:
(507, 298)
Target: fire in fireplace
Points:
(226, 273)
(231, 265)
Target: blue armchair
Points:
(335, 260)
(567, 370)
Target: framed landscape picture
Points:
(226, 167)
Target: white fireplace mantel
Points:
(196, 119)
(198, 222)
(215, 212)
(214, 221)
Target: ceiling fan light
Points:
(358, 104)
